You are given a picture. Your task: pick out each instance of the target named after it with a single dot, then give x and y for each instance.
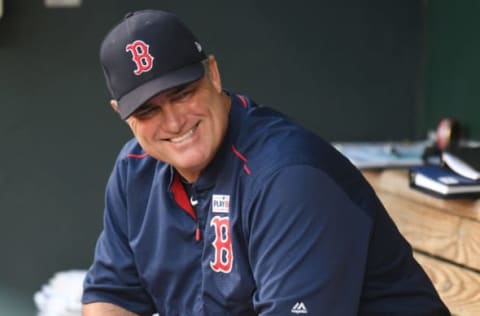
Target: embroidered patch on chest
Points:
(220, 203)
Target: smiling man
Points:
(218, 206)
(185, 125)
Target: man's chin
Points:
(190, 168)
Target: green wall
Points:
(452, 72)
(346, 69)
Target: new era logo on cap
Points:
(149, 52)
(199, 47)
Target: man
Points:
(220, 207)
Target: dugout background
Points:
(348, 69)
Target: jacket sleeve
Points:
(113, 277)
(308, 245)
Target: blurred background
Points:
(350, 70)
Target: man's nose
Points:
(173, 119)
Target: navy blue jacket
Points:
(282, 224)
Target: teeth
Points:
(183, 137)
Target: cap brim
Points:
(135, 98)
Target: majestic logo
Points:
(299, 308)
(140, 56)
(220, 203)
(223, 259)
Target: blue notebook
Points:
(442, 181)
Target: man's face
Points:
(184, 126)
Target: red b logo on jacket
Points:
(140, 56)
(223, 259)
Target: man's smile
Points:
(185, 136)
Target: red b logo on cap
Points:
(141, 56)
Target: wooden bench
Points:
(445, 236)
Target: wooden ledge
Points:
(395, 181)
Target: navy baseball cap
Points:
(148, 52)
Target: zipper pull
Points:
(197, 232)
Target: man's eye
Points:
(146, 112)
(182, 95)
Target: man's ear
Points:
(114, 105)
(214, 73)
